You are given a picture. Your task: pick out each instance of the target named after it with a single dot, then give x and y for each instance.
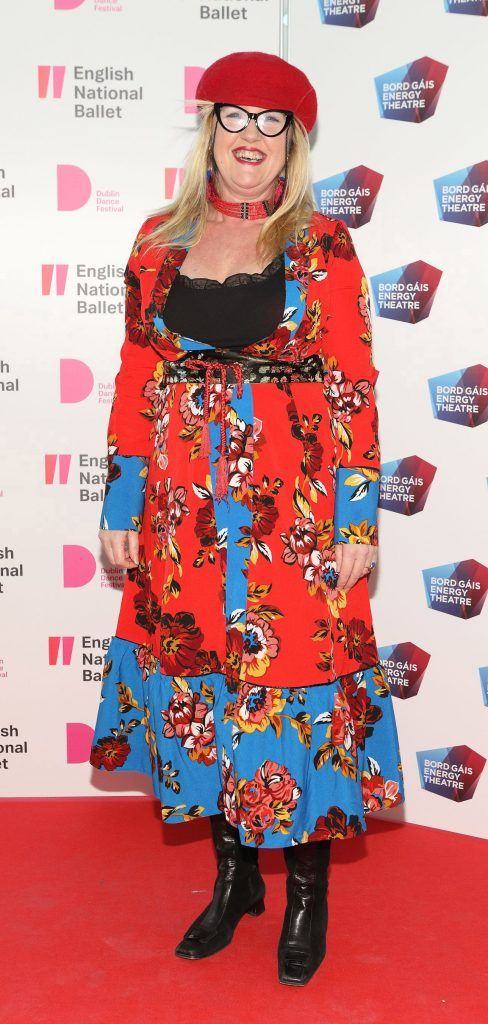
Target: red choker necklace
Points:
(246, 211)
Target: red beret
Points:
(260, 80)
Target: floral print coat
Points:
(247, 588)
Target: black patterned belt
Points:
(253, 369)
(243, 368)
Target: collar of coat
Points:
(298, 334)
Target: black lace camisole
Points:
(229, 314)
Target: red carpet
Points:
(96, 894)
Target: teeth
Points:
(244, 154)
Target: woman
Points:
(241, 497)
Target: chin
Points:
(250, 180)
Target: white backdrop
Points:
(62, 328)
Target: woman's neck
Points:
(217, 217)
(244, 209)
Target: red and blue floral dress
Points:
(239, 677)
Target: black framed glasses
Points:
(268, 122)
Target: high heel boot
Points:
(302, 943)
(239, 889)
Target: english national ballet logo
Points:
(56, 469)
(453, 772)
(8, 382)
(461, 396)
(457, 589)
(60, 650)
(461, 195)
(89, 474)
(74, 189)
(98, 288)
(192, 76)
(53, 278)
(96, 92)
(11, 567)
(50, 81)
(7, 187)
(405, 485)
(8, 750)
(406, 293)
(350, 13)
(88, 655)
(350, 195)
(479, 7)
(411, 92)
(173, 177)
(404, 665)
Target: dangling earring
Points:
(210, 170)
(285, 177)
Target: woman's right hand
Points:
(121, 547)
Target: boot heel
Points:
(257, 908)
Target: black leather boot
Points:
(302, 943)
(238, 890)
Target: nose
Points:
(251, 132)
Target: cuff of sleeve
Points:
(123, 502)
(356, 505)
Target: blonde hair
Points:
(186, 215)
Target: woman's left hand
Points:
(352, 562)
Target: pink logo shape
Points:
(192, 78)
(54, 643)
(50, 462)
(47, 271)
(75, 380)
(73, 185)
(79, 565)
(79, 739)
(43, 76)
(172, 176)
(67, 5)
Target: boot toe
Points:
(293, 973)
(195, 947)
(296, 969)
(187, 949)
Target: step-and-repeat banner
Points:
(98, 115)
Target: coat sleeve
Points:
(125, 488)
(129, 425)
(349, 391)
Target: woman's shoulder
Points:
(321, 224)
(152, 222)
(147, 227)
(321, 232)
